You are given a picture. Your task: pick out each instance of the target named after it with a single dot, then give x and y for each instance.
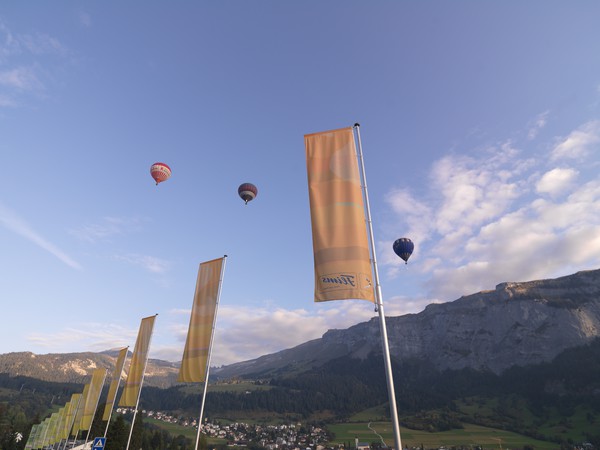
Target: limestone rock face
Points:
(515, 324)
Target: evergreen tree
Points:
(118, 432)
(138, 432)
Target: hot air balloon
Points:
(160, 172)
(404, 247)
(247, 191)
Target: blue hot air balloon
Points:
(404, 247)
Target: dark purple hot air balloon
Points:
(404, 247)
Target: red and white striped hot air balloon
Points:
(160, 172)
(247, 191)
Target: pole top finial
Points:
(356, 125)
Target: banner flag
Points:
(60, 421)
(79, 412)
(32, 435)
(50, 437)
(71, 412)
(340, 244)
(199, 339)
(114, 384)
(91, 402)
(41, 434)
(133, 384)
(62, 430)
(39, 440)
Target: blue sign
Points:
(99, 443)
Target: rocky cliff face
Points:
(515, 324)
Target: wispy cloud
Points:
(147, 262)
(22, 70)
(12, 222)
(501, 216)
(91, 336)
(106, 228)
(538, 124)
(23, 44)
(21, 78)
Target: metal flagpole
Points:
(115, 397)
(379, 302)
(212, 334)
(137, 402)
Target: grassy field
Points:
(470, 435)
(176, 430)
(235, 387)
(572, 426)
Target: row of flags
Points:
(77, 414)
(344, 265)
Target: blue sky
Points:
(480, 125)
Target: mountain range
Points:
(515, 324)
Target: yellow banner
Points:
(133, 385)
(114, 384)
(39, 439)
(62, 428)
(340, 243)
(32, 436)
(91, 402)
(71, 412)
(198, 343)
(79, 412)
(51, 435)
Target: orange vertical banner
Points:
(198, 343)
(340, 244)
(133, 385)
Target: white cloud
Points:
(490, 219)
(244, 333)
(11, 221)
(556, 181)
(578, 143)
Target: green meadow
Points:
(471, 435)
